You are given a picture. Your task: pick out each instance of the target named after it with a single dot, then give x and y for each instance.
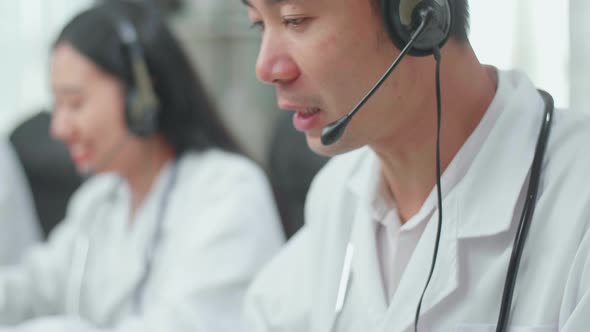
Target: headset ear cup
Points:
(401, 19)
(392, 21)
(131, 111)
(141, 102)
(141, 119)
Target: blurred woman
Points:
(173, 225)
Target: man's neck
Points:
(408, 160)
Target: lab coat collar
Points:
(365, 263)
(520, 119)
(500, 171)
(366, 271)
(132, 262)
(444, 282)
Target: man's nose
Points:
(275, 65)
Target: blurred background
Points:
(547, 39)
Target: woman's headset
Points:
(403, 17)
(141, 102)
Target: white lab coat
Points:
(19, 226)
(297, 291)
(219, 226)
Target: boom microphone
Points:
(332, 132)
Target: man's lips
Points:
(308, 112)
(306, 119)
(303, 109)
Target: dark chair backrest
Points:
(292, 167)
(48, 168)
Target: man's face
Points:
(323, 56)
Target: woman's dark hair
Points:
(187, 118)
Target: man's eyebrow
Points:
(269, 2)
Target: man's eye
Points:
(294, 22)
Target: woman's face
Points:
(89, 113)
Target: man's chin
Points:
(315, 144)
(85, 171)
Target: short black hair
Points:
(460, 28)
(187, 119)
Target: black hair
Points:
(460, 27)
(187, 119)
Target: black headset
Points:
(141, 102)
(403, 17)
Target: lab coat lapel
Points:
(444, 282)
(126, 266)
(127, 272)
(366, 285)
(502, 183)
(366, 273)
(331, 278)
(129, 267)
(364, 303)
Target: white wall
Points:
(27, 28)
(580, 54)
(530, 35)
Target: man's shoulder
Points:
(339, 169)
(223, 173)
(565, 187)
(329, 188)
(569, 140)
(282, 293)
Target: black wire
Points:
(527, 214)
(437, 57)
